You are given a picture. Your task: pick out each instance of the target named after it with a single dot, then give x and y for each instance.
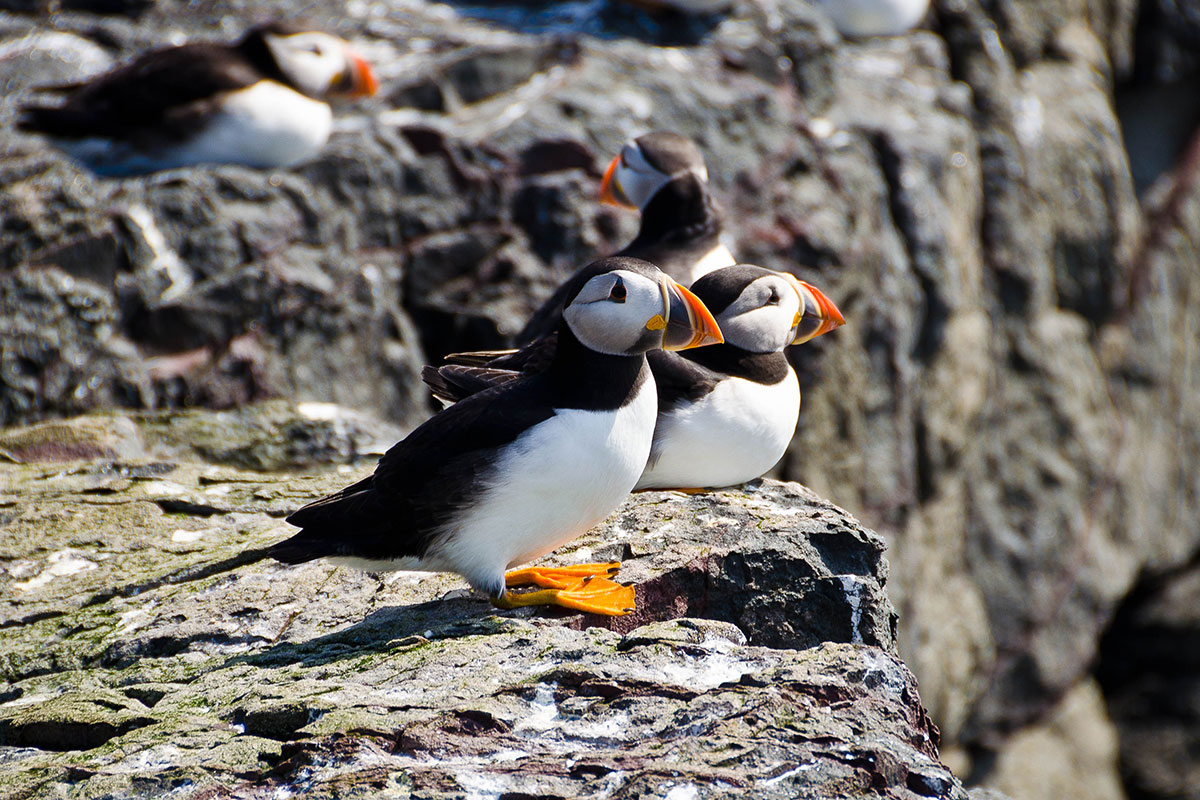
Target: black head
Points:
(626, 306)
(763, 311)
(647, 164)
(317, 64)
(671, 154)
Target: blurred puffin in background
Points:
(662, 175)
(861, 19)
(259, 102)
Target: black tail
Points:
(353, 522)
(300, 548)
(53, 122)
(451, 383)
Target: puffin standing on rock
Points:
(513, 472)
(259, 102)
(661, 174)
(726, 413)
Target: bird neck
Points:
(767, 368)
(255, 49)
(584, 378)
(682, 209)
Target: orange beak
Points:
(363, 82)
(610, 189)
(817, 316)
(687, 321)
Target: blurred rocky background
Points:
(1003, 203)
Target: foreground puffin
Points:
(513, 472)
(258, 102)
(663, 175)
(726, 413)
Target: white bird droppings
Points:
(58, 565)
(683, 791)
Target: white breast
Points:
(734, 434)
(265, 125)
(714, 259)
(552, 483)
(861, 18)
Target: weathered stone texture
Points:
(1013, 404)
(150, 650)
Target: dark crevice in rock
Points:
(32, 618)
(1148, 661)
(248, 556)
(65, 734)
(176, 506)
(121, 654)
(146, 695)
(934, 312)
(276, 720)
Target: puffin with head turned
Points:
(662, 175)
(259, 102)
(521, 468)
(726, 413)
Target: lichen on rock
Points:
(151, 648)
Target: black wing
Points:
(452, 382)
(464, 374)
(421, 483)
(160, 89)
(679, 380)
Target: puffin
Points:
(513, 472)
(661, 174)
(259, 102)
(726, 413)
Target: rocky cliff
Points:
(1013, 404)
(151, 651)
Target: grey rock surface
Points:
(1013, 404)
(151, 651)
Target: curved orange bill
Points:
(818, 314)
(610, 189)
(362, 80)
(686, 321)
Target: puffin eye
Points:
(773, 298)
(618, 292)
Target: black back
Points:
(168, 91)
(425, 481)
(685, 376)
(719, 288)
(680, 225)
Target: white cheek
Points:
(639, 187)
(763, 330)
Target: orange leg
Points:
(559, 577)
(583, 587)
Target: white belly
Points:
(861, 18)
(266, 125)
(554, 482)
(734, 434)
